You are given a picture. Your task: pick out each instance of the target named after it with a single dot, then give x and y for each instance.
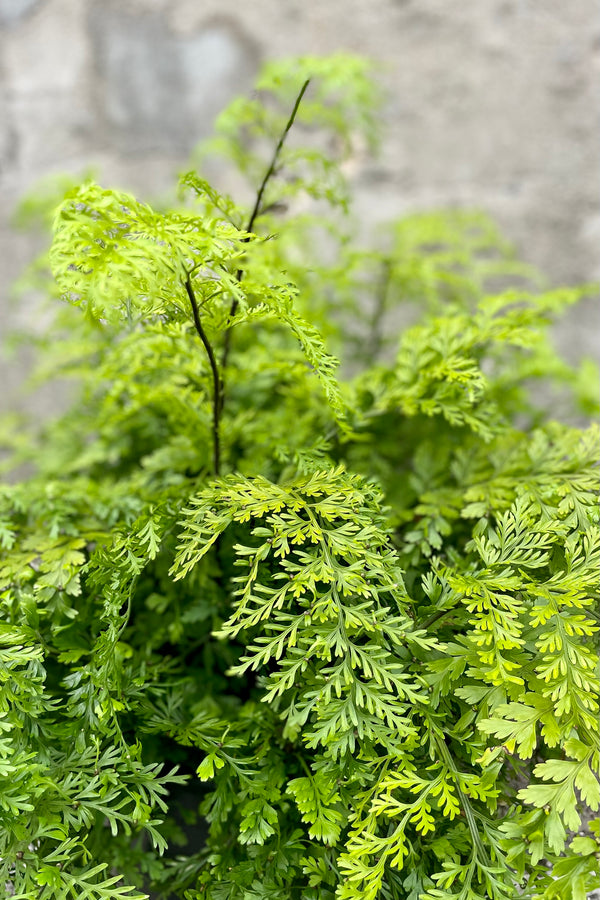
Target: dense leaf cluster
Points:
(271, 633)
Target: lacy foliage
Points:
(359, 660)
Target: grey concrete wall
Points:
(492, 103)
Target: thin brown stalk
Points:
(217, 383)
(256, 212)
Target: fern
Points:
(270, 631)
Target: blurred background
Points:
(491, 104)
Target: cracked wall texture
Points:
(490, 103)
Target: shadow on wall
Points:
(141, 66)
(12, 11)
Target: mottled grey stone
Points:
(159, 91)
(13, 10)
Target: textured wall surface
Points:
(490, 103)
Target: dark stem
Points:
(375, 338)
(217, 383)
(256, 212)
(434, 618)
(257, 205)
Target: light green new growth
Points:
(273, 632)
